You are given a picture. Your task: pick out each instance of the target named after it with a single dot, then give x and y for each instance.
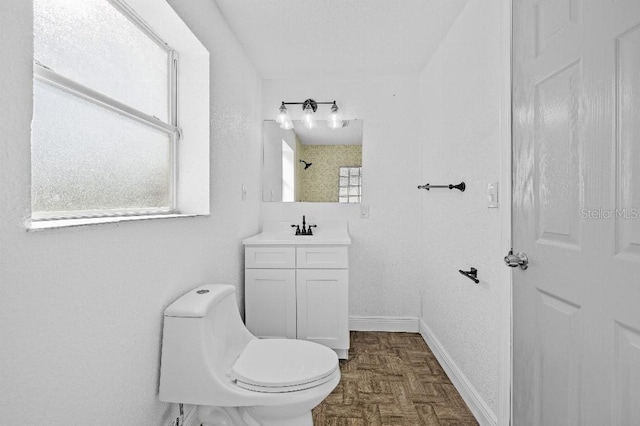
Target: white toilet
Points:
(211, 360)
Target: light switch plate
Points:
(364, 211)
(492, 195)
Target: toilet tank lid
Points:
(197, 302)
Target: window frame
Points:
(171, 127)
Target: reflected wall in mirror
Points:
(312, 165)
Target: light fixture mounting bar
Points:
(311, 102)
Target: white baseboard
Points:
(398, 324)
(476, 404)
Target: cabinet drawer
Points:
(322, 257)
(270, 257)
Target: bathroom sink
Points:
(281, 233)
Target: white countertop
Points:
(281, 233)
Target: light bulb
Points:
(334, 121)
(283, 115)
(287, 124)
(308, 119)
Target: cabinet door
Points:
(270, 302)
(323, 308)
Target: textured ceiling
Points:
(336, 37)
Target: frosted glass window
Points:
(94, 44)
(350, 185)
(86, 157)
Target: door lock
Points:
(519, 259)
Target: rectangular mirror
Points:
(312, 165)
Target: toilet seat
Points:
(283, 365)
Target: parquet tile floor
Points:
(392, 379)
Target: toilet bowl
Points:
(211, 360)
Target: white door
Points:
(576, 200)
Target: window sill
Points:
(71, 223)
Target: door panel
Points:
(558, 364)
(628, 148)
(627, 380)
(557, 155)
(576, 195)
(554, 19)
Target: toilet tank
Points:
(203, 335)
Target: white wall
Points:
(460, 90)
(81, 309)
(383, 269)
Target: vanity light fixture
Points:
(283, 115)
(283, 118)
(308, 119)
(309, 107)
(334, 121)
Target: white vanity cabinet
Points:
(298, 291)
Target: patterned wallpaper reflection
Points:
(319, 183)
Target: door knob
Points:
(519, 259)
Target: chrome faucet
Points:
(306, 230)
